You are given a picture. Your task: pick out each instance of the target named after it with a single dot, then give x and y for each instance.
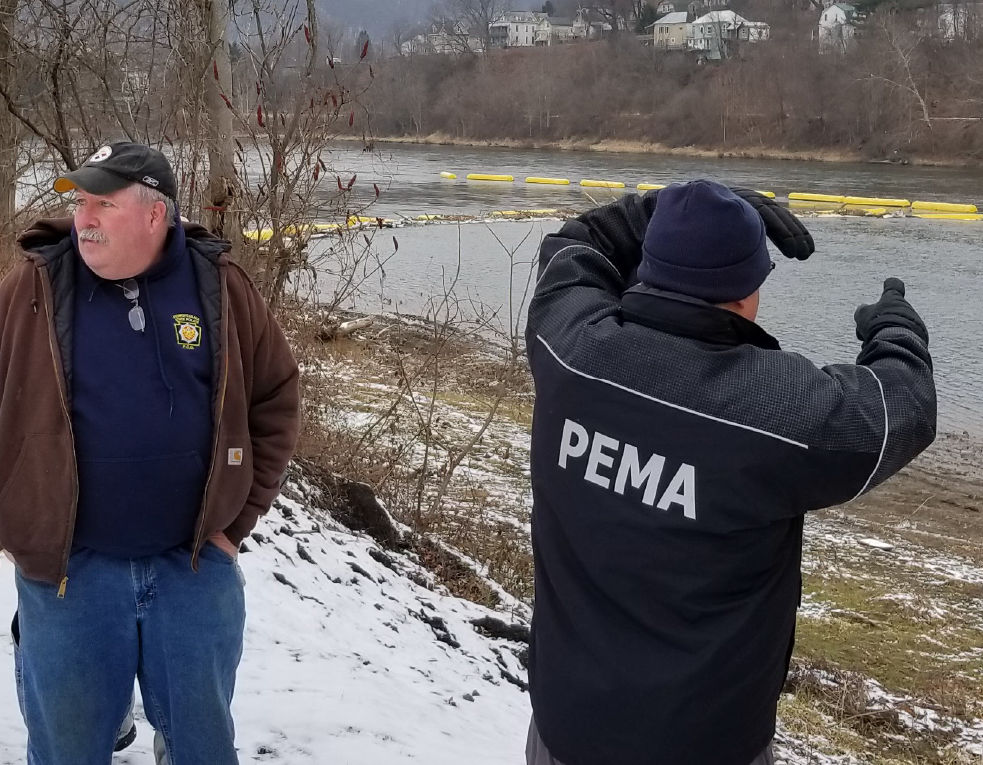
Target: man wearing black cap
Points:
(148, 408)
(675, 451)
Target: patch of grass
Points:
(830, 708)
(898, 643)
(515, 409)
(802, 719)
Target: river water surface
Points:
(808, 306)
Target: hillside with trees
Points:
(899, 91)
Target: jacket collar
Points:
(50, 238)
(686, 316)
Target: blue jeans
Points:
(154, 619)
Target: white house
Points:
(837, 26)
(715, 34)
(589, 25)
(448, 37)
(417, 45)
(553, 30)
(514, 29)
(671, 31)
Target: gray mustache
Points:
(91, 235)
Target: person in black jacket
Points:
(675, 451)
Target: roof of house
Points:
(720, 17)
(849, 11)
(526, 17)
(729, 18)
(679, 17)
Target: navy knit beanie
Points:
(706, 242)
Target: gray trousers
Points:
(538, 754)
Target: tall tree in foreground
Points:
(8, 129)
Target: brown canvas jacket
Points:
(256, 400)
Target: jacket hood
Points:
(49, 231)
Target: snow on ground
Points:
(346, 660)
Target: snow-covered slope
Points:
(349, 658)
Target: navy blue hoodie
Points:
(141, 408)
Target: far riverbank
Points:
(610, 146)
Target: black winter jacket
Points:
(675, 450)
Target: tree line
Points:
(899, 91)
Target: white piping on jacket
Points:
(670, 404)
(880, 457)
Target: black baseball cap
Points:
(118, 165)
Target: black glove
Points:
(892, 310)
(784, 229)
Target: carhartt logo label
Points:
(103, 154)
(188, 329)
(599, 469)
(235, 456)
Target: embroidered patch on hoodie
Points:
(188, 330)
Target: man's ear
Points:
(159, 214)
(746, 307)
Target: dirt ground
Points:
(937, 501)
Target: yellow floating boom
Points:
(602, 184)
(798, 196)
(550, 181)
(265, 234)
(874, 212)
(880, 202)
(943, 207)
(950, 216)
(489, 177)
(445, 174)
(521, 213)
(650, 186)
(769, 194)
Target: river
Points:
(808, 306)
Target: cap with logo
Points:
(118, 165)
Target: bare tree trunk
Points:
(221, 214)
(8, 128)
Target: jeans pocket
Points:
(211, 551)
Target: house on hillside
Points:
(453, 37)
(668, 6)
(717, 35)
(514, 29)
(671, 31)
(418, 45)
(697, 8)
(838, 26)
(554, 30)
(588, 24)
